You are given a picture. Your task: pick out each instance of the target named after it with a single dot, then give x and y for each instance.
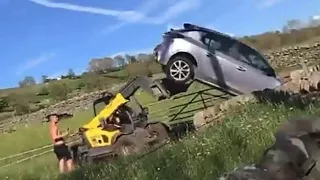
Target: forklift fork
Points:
(147, 85)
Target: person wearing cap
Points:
(60, 148)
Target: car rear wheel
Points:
(180, 69)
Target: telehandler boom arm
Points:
(123, 96)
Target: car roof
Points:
(189, 26)
(192, 27)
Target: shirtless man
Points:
(59, 147)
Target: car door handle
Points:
(209, 54)
(240, 68)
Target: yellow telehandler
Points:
(120, 126)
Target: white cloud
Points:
(133, 52)
(210, 26)
(121, 15)
(268, 3)
(56, 75)
(32, 63)
(127, 17)
(316, 17)
(175, 10)
(145, 8)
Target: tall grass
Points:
(240, 139)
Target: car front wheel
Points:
(180, 69)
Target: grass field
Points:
(241, 139)
(30, 136)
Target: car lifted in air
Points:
(217, 59)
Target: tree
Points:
(131, 59)
(71, 73)
(143, 57)
(120, 60)
(27, 81)
(293, 24)
(44, 78)
(98, 65)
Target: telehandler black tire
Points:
(159, 130)
(127, 145)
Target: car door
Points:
(230, 69)
(220, 68)
(205, 70)
(214, 70)
(251, 70)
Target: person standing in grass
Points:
(60, 148)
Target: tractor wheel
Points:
(160, 131)
(128, 145)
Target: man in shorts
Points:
(59, 146)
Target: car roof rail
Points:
(190, 26)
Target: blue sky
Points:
(47, 37)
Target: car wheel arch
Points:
(187, 55)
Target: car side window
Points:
(253, 58)
(208, 42)
(210, 39)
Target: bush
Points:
(81, 85)
(43, 91)
(94, 81)
(58, 91)
(145, 68)
(20, 102)
(22, 107)
(3, 104)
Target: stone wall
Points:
(70, 106)
(291, 57)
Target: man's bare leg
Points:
(70, 165)
(62, 165)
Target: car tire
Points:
(180, 62)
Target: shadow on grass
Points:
(173, 87)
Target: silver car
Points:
(197, 53)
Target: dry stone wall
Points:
(301, 88)
(291, 57)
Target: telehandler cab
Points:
(118, 128)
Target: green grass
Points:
(30, 136)
(240, 139)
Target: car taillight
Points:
(156, 51)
